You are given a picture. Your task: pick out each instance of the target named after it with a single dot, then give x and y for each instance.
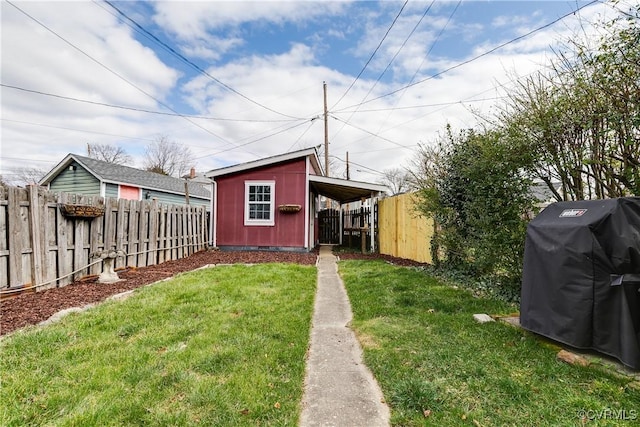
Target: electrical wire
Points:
(414, 107)
(301, 135)
(191, 63)
(358, 164)
(424, 58)
(140, 110)
(370, 133)
(254, 140)
(488, 52)
(372, 55)
(115, 73)
(415, 27)
(75, 130)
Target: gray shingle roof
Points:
(111, 172)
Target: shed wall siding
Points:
(77, 181)
(289, 228)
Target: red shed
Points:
(271, 204)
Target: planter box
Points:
(289, 208)
(81, 211)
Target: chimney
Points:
(192, 173)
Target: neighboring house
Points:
(543, 195)
(272, 203)
(84, 175)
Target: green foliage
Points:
(480, 201)
(583, 118)
(577, 130)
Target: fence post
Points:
(15, 238)
(120, 243)
(38, 243)
(37, 234)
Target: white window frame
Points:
(272, 203)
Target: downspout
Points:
(307, 208)
(213, 236)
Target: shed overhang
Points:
(342, 190)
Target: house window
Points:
(259, 202)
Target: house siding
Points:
(77, 181)
(173, 199)
(111, 190)
(288, 230)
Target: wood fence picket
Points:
(39, 246)
(404, 232)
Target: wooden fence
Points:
(402, 232)
(354, 225)
(40, 247)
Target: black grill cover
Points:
(581, 276)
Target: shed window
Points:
(259, 202)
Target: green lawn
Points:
(226, 347)
(218, 347)
(437, 366)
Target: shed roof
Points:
(268, 161)
(341, 190)
(125, 175)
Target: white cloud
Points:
(195, 19)
(35, 58)
(289, 81)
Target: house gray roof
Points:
(540, 190)
(118, 174)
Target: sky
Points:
(236, 81)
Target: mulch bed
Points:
(32, 308)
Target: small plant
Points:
(415, 394)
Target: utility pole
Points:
(326, 131)
(348, 177)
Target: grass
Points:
(221, 346)
(438, 367)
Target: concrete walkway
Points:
(339, 389)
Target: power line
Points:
(372, 55)
(415, 27)
(191, 63)
(413, 107)
(115, 73)
(140, 110)
(401, 47)
(358, 164)
(30, 160)
(490, 51)
(74, 130)
(424, 58)
(301, 135)
(370, 133)
(254, 140)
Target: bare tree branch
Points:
(109, 153)
(168, 157)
